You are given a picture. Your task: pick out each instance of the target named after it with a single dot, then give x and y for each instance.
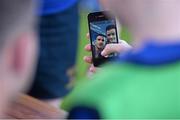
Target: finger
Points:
(88, 36)
(124, 45)
(92, 69)
(87, 47)
(88, 59)
(110, 48)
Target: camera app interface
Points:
(102, 33)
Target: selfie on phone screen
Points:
(102, 32)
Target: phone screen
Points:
(103, 31)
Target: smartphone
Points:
(103, 31)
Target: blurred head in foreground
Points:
(111, 34)
(17, 47)
(147, 18)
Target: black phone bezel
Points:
(95, 17)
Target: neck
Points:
(160, 33)
(99, 48)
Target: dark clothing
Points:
(55, 6)
(58, 45)
(97, 52)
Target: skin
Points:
(18, 60)
(111, 35)
(100, 43)
(147, 18)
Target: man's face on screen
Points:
(100, 42)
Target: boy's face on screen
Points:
(111, 35)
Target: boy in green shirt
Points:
(143, 83)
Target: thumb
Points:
(110, 48)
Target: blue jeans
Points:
(58, 45)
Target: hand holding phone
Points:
(120, 47)
(103, 31)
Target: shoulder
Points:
(91, 89)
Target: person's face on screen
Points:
(100, 42)
(111, 35)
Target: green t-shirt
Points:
(126, 91)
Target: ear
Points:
(21, 53)
(16, 62)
